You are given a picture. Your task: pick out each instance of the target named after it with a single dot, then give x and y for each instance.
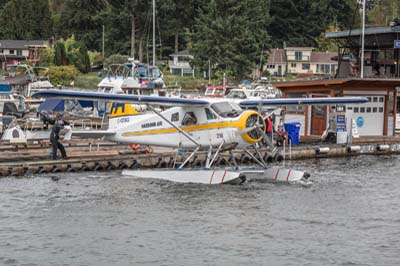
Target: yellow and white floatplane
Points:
(197, 125)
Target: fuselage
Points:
(207, 126)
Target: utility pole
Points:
(362, 40)
(154, 32)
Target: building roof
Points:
(276, 56)
(21, 79)
(21, 44)
(323, 57)
(348, 83)
(358, 32)
(299, 48)
(181, 53)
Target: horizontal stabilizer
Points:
(305, 101)
(123, 98)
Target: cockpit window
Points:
(227, 109)
(210, 115)
(236, 95)
(189, 119)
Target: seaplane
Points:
(198, 125)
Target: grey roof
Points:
(323, 57)
(358, 32)
(276, 56)
(182, 53)
(21, 44)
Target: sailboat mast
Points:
(154, 32)
(362, 40)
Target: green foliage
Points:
(47, 56)
(231, 34)
(95, 58)
(327, 44)
(300, 22)
(87, 81)
(25, 19)
(60, 55)
(115, 59)
(383, 11)
(62, 75)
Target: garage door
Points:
(369, 116)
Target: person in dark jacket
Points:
(55, 136)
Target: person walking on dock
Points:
(55, 136)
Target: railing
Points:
(303, 58)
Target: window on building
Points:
(12, 52)
(19, 52)
(375, 110)
(368, 109)
(305, 66)
(375, 99)
(270, 66)
(1, 51)
(380, 109)
(381, 99)
(293, 65)
(333, 68)
(355, 109)
(362, 109)
(298, 56)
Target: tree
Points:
(383, 11)
(60, 55)
(25, 19)
(231, 35)
(78, 18)
(300, 22)
(62, 75)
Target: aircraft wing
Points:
(123, 98)
(304, 101)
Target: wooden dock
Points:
(34, 158)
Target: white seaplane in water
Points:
(193, 124)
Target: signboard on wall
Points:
(396, 44)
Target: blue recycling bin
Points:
(293, 130)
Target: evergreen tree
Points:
(300, 22)
(78, 18)
(60, 55)
(25, 19)
(231, 35)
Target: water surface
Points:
(349, 216)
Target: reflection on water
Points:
(349, 216)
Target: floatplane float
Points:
(197, 125)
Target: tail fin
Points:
(122, 109)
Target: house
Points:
(377, 117)
(16, 51)
(277, 63)
(180, 63)
(301, 61)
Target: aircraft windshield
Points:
(236, 95)
(227, 109)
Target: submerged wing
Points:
(124, 98)
(304, 101)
